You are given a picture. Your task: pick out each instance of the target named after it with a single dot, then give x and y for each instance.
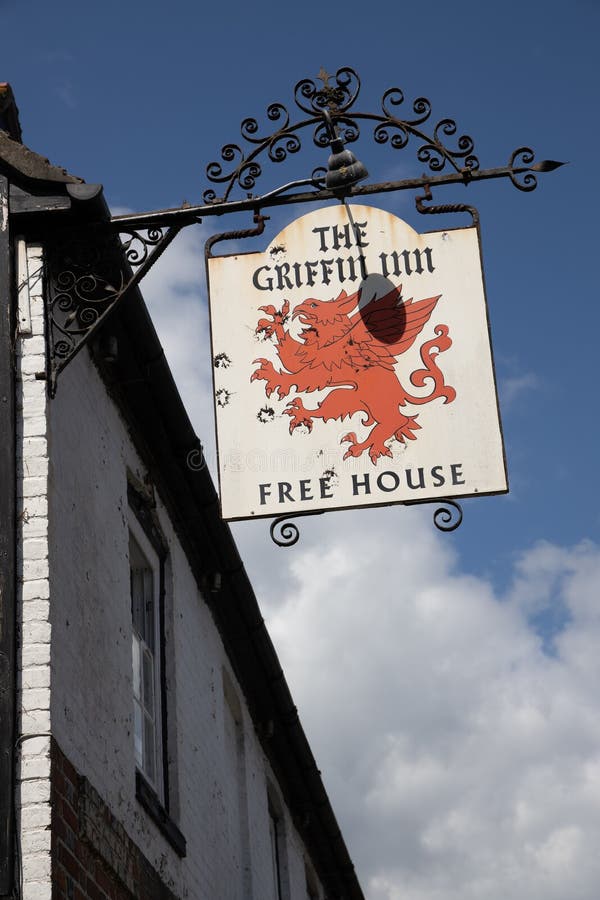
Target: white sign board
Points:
(352, 367)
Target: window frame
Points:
(275, 837)
(278, 840)
(143, 527)
(150, 560)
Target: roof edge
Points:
(9, 112)
(26, 162)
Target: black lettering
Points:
(285, 491)
(396, 261)
(359, 232)
(311, 271)
(297, 277)
(352, 267)
(356, 484)
(421, 483)
(341, 237)
(418, 264)
(268, 282)
(384, 268)
(438, 478)
(395, 481)
(265, 491)
(305, 489)
(282, 275)
(325, 484)
(321, 232)
(326, 269)
(456, 469)
(430, 266)
(405, 257)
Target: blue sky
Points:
(141, 97)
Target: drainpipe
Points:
(7, 552)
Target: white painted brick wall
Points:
(33, 772)
(92, 706)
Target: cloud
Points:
(459, 745)
(512, 388)
(463, 761)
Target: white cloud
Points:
(463, 762)
(512, 388)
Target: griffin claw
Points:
(295, 408)
(296, 423)
(376, 452)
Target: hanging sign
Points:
(352, 367)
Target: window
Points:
(279, 860)
(146, 633)
(151, 666)
(274, 833)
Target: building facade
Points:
(150, 744)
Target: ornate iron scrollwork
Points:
(440, 149)
(88, 274)
(284, 531)
(448, 515)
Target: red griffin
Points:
(354, 351)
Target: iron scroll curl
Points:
(447, 517)
(285, 532)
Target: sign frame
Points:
(286, 510)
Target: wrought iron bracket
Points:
(236, 235)
(442, 209)
(284, 531)
(88, 276)
(447, 517)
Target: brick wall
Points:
(93, 858)
(33, 770)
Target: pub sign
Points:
(352, 367)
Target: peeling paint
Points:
(331, 476)
(265, 414)
(223, 397)
(221, 361)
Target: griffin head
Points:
(315, 314)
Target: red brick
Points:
(69, 862)
(93, 891)
(69, 815)
(103, 880)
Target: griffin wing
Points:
(387, 327)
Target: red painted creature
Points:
(353, 351)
